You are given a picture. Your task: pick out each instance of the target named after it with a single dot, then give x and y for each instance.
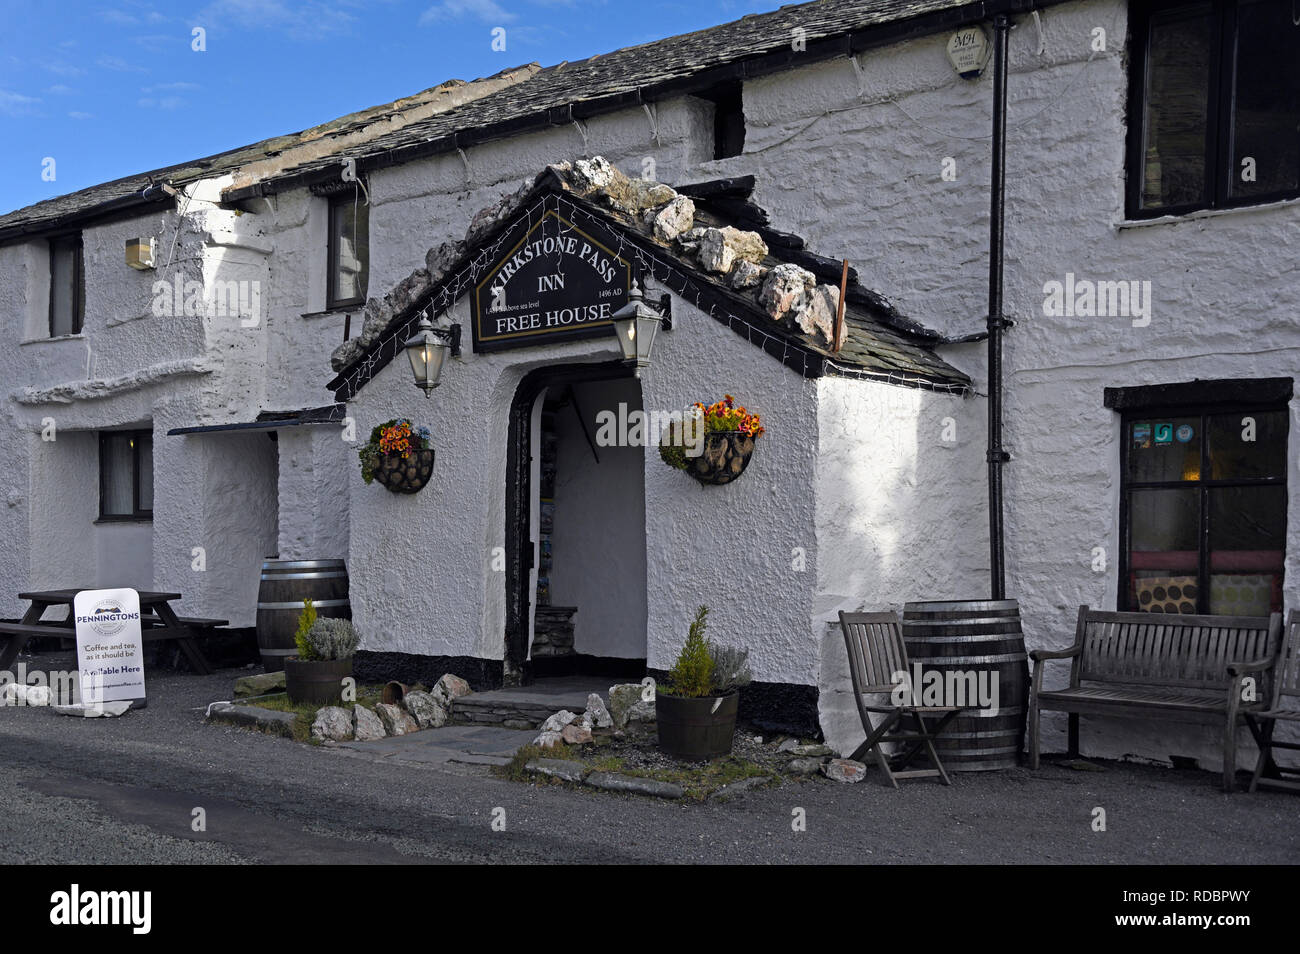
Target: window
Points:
(1204, 510)
(67, 286)
(349, 251)
(125, 475)
(1215, 105)
(728, 120)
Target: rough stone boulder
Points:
(548, 740)
(575, 733)
(622, 698)
(448, 689)
(597, 714)
(747, 275)
(558, 721)
(259, 684)
(815, 312)
(366, 726)
(673, 219)
(784, 288)
(396, 720)
(333, 723)
(720, 249)
(844, 770)
(425, 708)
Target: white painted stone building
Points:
(868, 488)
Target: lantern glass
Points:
(427, 351)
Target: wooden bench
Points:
(1153, 666)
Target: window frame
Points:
(336, 201)
(1219, 167)
(1203, 411)
(137, 514)
(78, 282)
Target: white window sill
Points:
(1125, 224)
(36, 341)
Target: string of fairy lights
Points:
(645, 262)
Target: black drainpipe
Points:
(995, 455)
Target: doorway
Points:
(575, 527)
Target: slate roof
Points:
(751, 46)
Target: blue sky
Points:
(107, 90)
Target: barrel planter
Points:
(284, 585)
(984, 637)
(319, 682)
(405, 475)
(696, 728)
(725, 456)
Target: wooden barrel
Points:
(982, 637)
(285, 584)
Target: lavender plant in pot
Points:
(324, 660)
(695, 707)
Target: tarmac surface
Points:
(126, 790)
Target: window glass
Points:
(144, 478)
(1250, 444)
(1163, 558)
(66, 294)
(349, 250)
(117, 475)
(1176, 106)
(1165, 449)
(1266, 99)
(1247, 549)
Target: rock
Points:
(333, 723)
(622, 698)
(558, 721)
(575, 733)
(259, 685)
(438, 260)
(747, 275)
(722, 248)
(844, 770)
(428, 712)
(597, 713)
(558, 768)
(803, 766)
(396, 720)
(366, 726)
(345, 354)
(735, 789)
(596, 174)
(814, 750)
(689, 241)
(641, 711)
(645, 194)
(448, 689)
(784, 288)
(547, 740)
(89, 710)
(815, 312)
(673, 219)
(789, 745)
(612, 782)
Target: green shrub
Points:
(730, 667)
(692, 674)
(332, 639)
(306, 620)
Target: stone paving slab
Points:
(471, 744)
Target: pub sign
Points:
(557, 282)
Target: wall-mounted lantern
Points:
(428, 349)
(636, 324)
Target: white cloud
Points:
(119, 64)
(58, 89)
(300, 21)
(16, 104)
(485, 11)
(79, 115)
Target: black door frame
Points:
(519, 543)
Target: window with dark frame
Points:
(67, 286)
(1203, 510)
(728, 120)
(349, 251)
(1214, 105)
(125, 475)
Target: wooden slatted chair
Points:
(876, 652)
(1283, 707)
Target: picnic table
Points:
(158, 622)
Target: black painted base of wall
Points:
(408, 668)
(225, 649)
(580, 664)
(776, 707)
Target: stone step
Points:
(530, 705)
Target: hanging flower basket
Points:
(713, 444)
(405, 475)
(398, 456)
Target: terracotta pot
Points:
(405, 475)
(726, 455)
